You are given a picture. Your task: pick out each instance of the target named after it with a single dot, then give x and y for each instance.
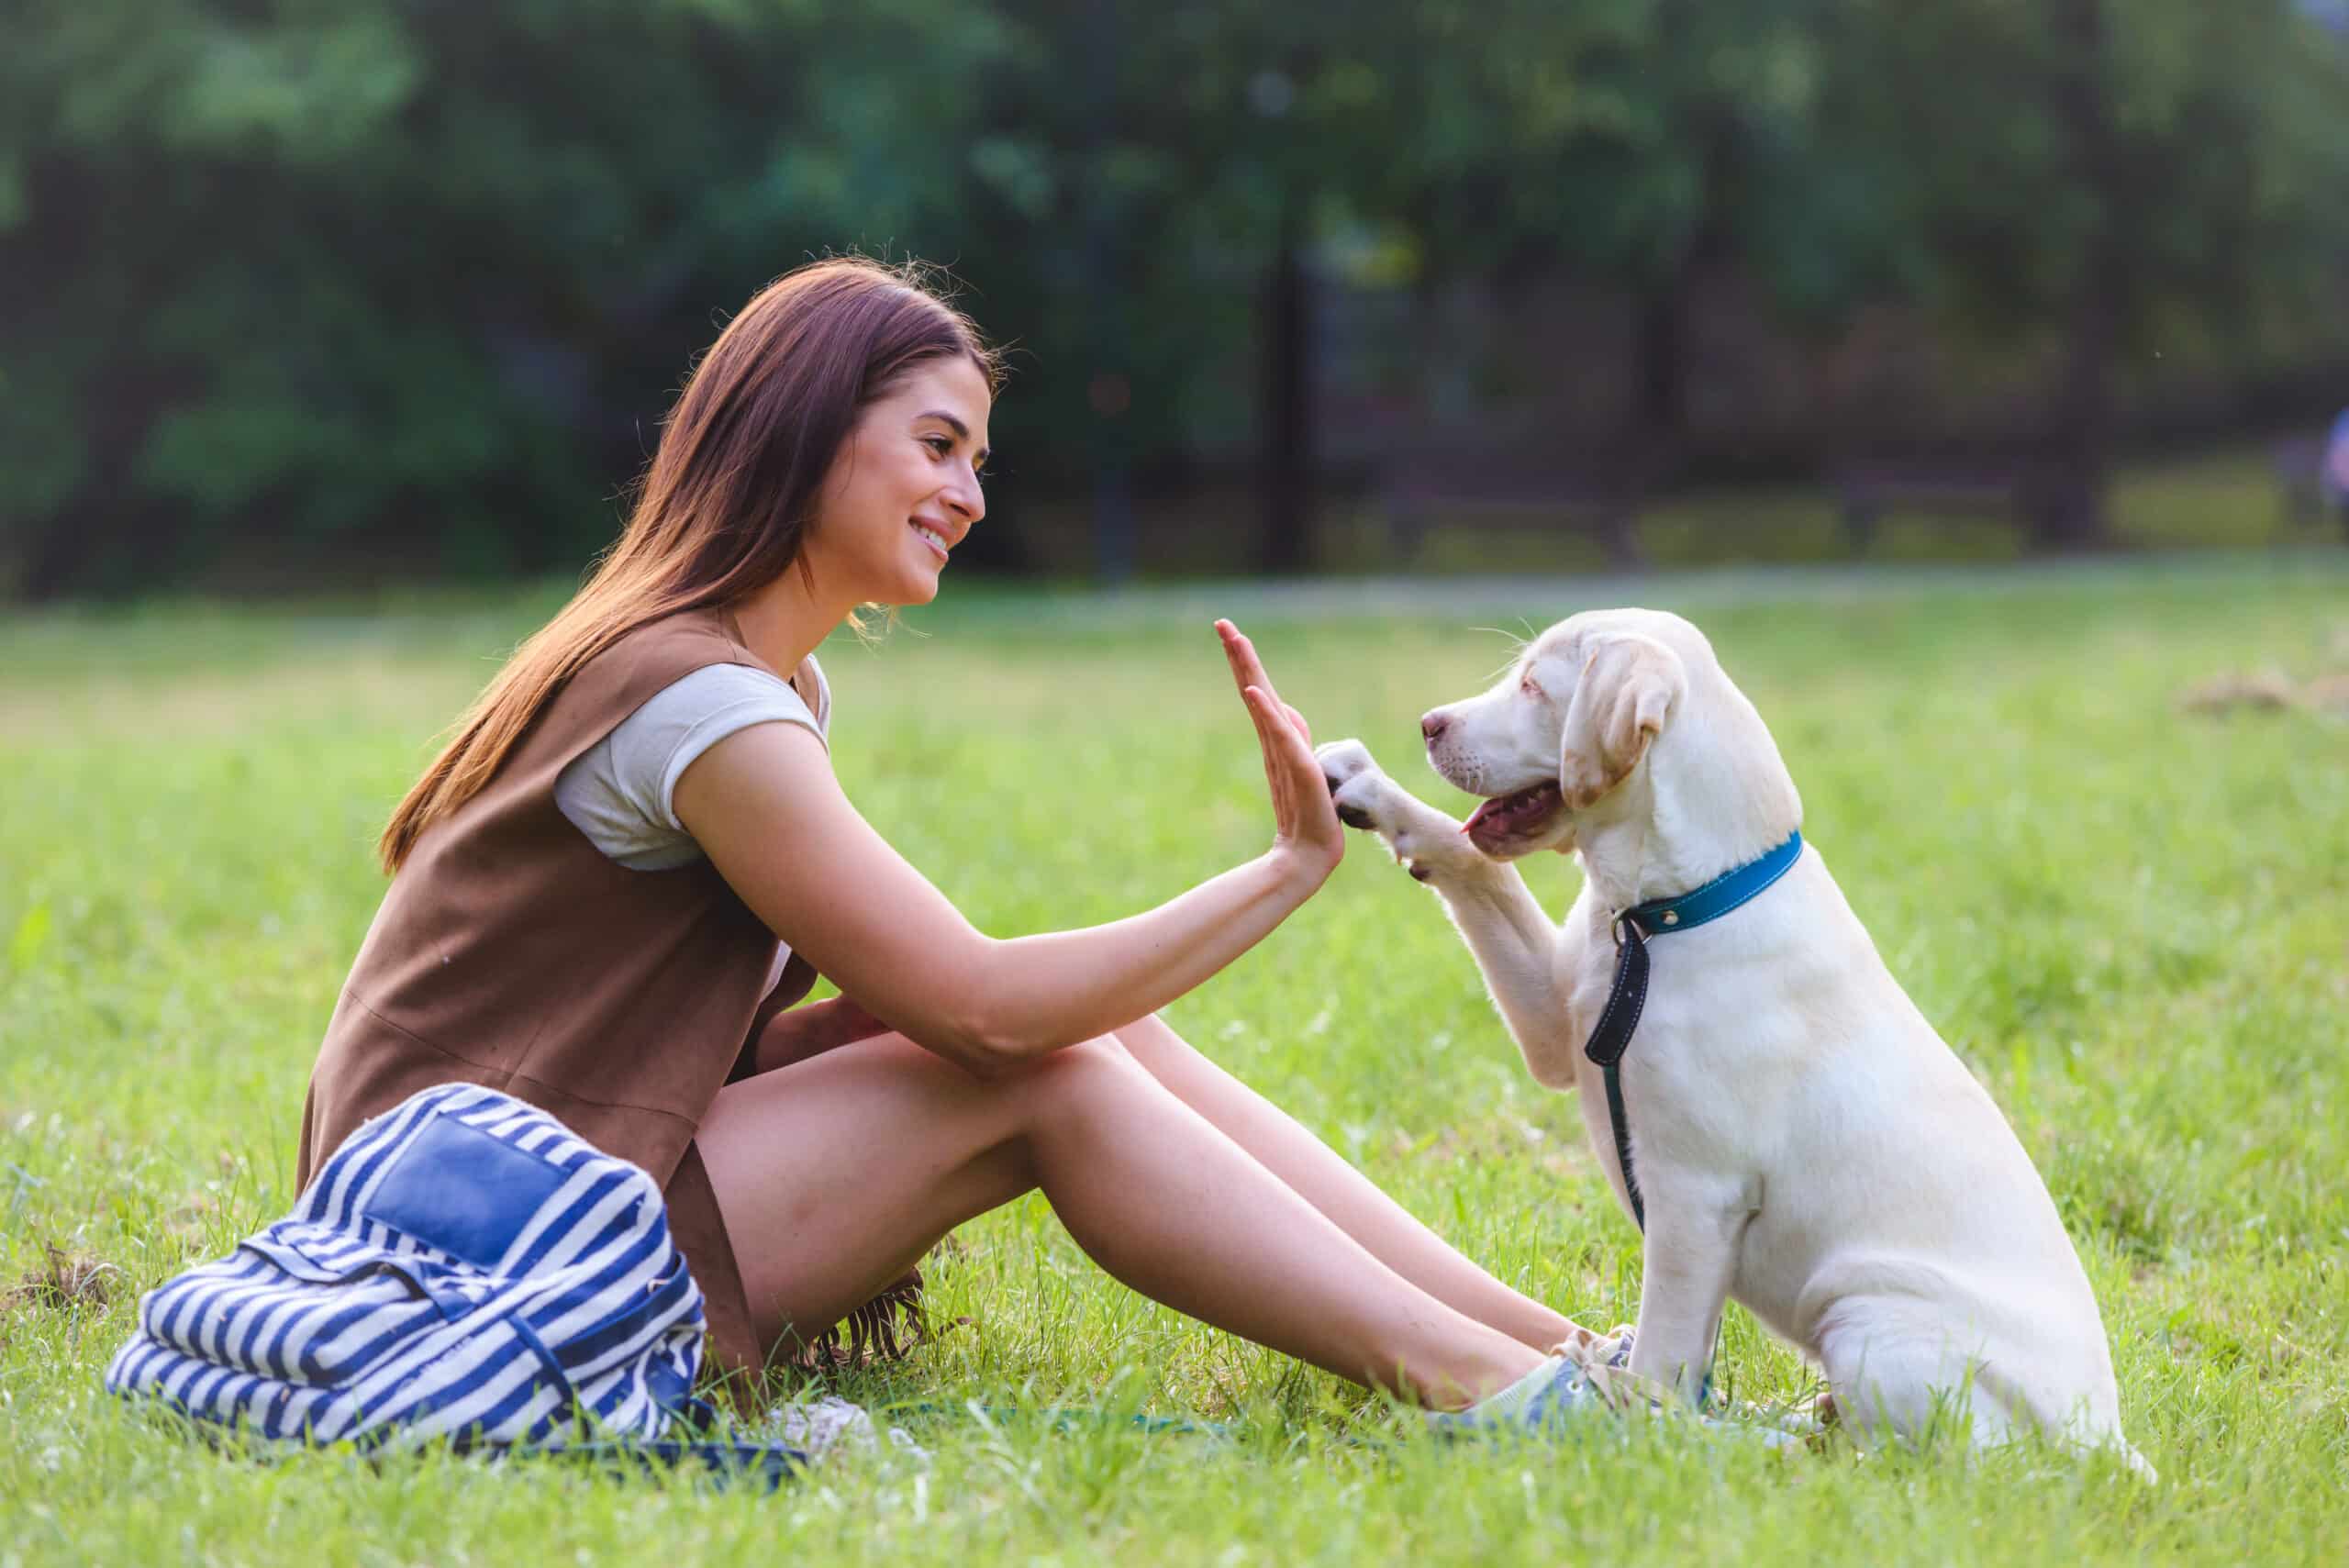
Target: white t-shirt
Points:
(618, 790)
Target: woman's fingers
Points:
(1302, 812)
(1283, 727)
(1260, 714)
(1247, 669)
(1303, 729)
(1263, 709)
(1301, 804)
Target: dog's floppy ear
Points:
(1629, 685)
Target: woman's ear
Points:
(1628, 688)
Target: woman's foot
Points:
(1583, 1381)
(1542, 1400)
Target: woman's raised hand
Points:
(1305, 824)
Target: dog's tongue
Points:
(1508, 810)
(1487, 811)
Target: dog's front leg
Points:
(1514, 942)
(1691, 1258)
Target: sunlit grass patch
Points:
(2129, 920)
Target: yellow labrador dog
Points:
(1799, 1135)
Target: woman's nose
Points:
(968, 497)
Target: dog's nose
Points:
(1434, 725)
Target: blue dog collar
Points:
(1717, 897)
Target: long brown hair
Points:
(727, 497)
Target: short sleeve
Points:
(620, 792)
(823, 695)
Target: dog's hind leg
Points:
(1896, 1368)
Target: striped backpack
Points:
(462, 1267)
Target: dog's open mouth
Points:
(1512, 816)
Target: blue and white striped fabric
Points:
(462, 1267)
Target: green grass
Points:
(2132, 922)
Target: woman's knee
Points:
(1153, 1043)
(1152, 1038)
(1081, 1074)
(1103, 1054)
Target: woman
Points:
(591, 882)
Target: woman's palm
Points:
(1303, 817)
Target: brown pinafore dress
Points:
(510, 951)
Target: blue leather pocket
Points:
(457, 1189)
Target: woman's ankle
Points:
(1474, 1372)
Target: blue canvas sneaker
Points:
(1544, 1400)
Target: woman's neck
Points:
(783, 622)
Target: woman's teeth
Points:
(931, 537)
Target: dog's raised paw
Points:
(1366, 797)
(1353, 777)
(1357, 802)
(1342, 762)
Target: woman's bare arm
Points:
(810, 1029)
(764, 806)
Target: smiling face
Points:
(905, 488)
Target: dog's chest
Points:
(1585, 964)
(1682, 1080)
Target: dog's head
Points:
(1585, 721)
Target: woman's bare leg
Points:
(1350, 1198)
(835, 1173)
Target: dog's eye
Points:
(1529, 686)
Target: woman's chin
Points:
(909, 587)
(918, 580)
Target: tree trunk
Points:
(1651, 445)
(1288, 543)
(2066, 499)
(1108, 394)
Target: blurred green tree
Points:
(409, 283)
(2092, 185)
(401, 277)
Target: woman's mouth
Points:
(932, 537)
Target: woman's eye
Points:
(938, 445)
